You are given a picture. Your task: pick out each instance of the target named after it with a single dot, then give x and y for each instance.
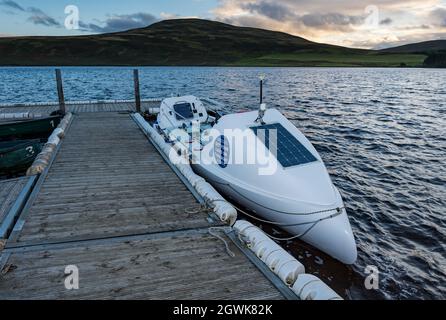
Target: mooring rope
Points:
(205, 208)
(221, 229)
(338, 212)
(312, 223)
(195, 210)
(209, 204)
(282, 212)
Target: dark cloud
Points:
(342, 22)
(37, 16)
(330, 20)
(439, 17)
(41, 18)
(271, 10)
(123, 22)
(282, 13)
(386, 22)
(112, 24)
(11, 5)
(415, 27)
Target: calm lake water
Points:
(381, 132)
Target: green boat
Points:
(29, 129)
(16, 156)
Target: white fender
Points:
(43, 158)
(285, 266)
(65, 121)
(241, 225)
(54, 137)
(309, 287)
(288, 269)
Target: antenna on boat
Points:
(262, 108)
(262, 78)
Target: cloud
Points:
(121, 22)
(41, 18)
(287, 18)
(331, 21)
(11, 5)
(268, 14)
(169, 16)
(37, 16)
(271, 10)
(438, 16)
(386, 22)
(280, 12)
(341, 22)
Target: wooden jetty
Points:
(9, 192)
(79, 107)
(13, 194)
(110, 205)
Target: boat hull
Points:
(263, 162)
(328, 231)
(28, 129)
(18, 156)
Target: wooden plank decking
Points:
(111, 206)
(163, 266)
(107, 181)
(9, 192)
(46, 109)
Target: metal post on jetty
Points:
(137, 92)
(60, 93)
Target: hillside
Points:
(420, 47)
(434, 50)
(192, 42)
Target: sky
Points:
(354, 23)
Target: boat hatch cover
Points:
(290, 152)
(183, 111)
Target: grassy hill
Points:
(434, 50)
(425, 47)
(193, 42)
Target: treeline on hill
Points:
(436, 60)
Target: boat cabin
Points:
(181, 112)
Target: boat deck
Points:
(111, 206)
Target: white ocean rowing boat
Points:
(262, 163)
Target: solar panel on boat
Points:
(290, 152)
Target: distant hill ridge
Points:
(420, 47)
(196, 42)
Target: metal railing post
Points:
(137, 92)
